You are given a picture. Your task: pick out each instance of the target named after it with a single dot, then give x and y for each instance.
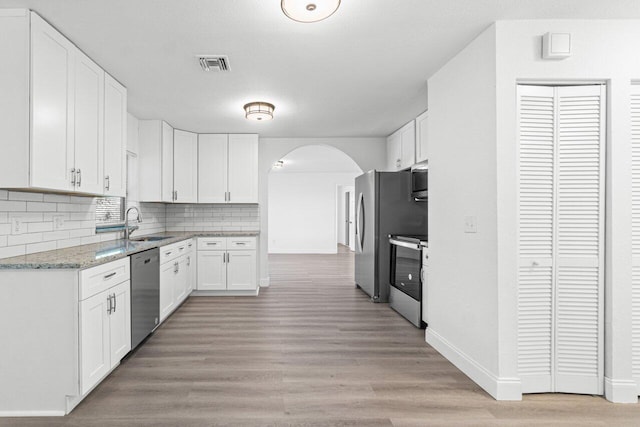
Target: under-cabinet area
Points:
(76, 323)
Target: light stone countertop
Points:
(86, 256)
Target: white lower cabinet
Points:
(176, 276)
(105, 322)
(227, 264)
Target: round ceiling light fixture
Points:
(259, 111)
(309, 10)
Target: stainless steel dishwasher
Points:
(145, 294)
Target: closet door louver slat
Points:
(635, 231)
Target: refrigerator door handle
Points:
(360, 219)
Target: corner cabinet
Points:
(185, 167)
(228, 168)
(176, 273)
(52, 119)
(155, 161)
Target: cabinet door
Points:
(241, 270)
(115, 137)
(89, 125)
(422, 127)
(167, 162)
(243, 168)
(212, 271)
(52, 98)
(394, 152)
(212, 168)
(408, 142)
(94, 340)
(167, 283)
(185, 166)
(192, 266)
(120, 322)
(181, 280)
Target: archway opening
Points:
(310, 201)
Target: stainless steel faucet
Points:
(130, 229)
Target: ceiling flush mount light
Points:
(259, 111)
(309, 10)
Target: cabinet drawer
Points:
(239, 243)
(212, 243)
(171, 252)
(190, 246)
(97, 279)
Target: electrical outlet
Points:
(470, 224)
(58, 222)
(17, 226)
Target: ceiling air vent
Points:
(214, 63)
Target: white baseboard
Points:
(4, 414)
(621, 391)
(265, 282)
(498, 388)
(250, 293)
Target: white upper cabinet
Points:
(52, 107)
(115, 137)
(212, 168)
(155, 161)
(394, 152)
(185, 167)
(243, 168)
(422, 128)
(89, 122)
(408, 142)
(228, 168)
(52, 121)
(401, 147)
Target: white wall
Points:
(462, 302)
(341, 199)
(302, 211)
(368, 153)
(603, 51)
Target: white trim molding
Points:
(621, 391)
(498, 388)
(4, 414)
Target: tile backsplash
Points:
(210, 217)
(52, 221)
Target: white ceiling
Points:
(317, 159)
(362, 72)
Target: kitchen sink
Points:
(150, 238)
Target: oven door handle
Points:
(414, 246)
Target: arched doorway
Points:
(309, 194)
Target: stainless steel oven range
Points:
(405, 294)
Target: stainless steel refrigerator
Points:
(383, 206)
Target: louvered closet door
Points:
(561, 216)
(536, 207)
(635, 230)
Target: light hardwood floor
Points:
(310, 350)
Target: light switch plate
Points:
(17, 226)
(470, 224)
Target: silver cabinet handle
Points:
(228, 257)
(79, 178)
(212, 243)
(107, 184)
(176, 198)
(224, 257)
(181, 249)
(110, 275)
(115, 303)
(229, 195)
(168, 253)
(175, 267)
(188, 260)
(109, 304)
(240, 243)
(73, 177)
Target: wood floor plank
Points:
(310, 350)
